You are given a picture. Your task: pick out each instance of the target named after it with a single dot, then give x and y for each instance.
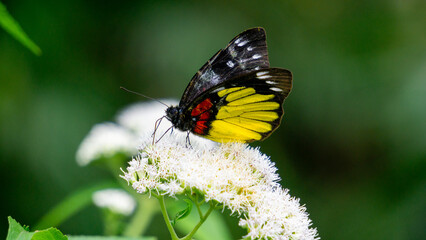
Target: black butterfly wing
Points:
(246, 108)
(245, 53)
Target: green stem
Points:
(143, 216)
(202, 219)
(197, 205)
(166, 218)
(112, 222)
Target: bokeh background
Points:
(352, 145)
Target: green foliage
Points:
(12, 27)
(183, 213)
(214, 228)
(17, 232)
(109, 238)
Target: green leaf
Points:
(17, 232)
(12, 27)
(184, 213)
(213, 228)
(49, 234)
(71, 205)
(109, 238)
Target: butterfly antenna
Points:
(142, 95)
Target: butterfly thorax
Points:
(176, 116)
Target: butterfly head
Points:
(176, 116)
(173, 114)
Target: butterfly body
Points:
(235, 96)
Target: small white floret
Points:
(116, 200)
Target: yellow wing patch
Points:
(221, 130)
(251, 99)
(236, 111)
(261, 115)
(228, 90)
(239, 94)
(251, 124)
(247, 116)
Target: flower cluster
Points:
(234, 175)
(276, 215)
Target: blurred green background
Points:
(352, 144)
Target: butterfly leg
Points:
(156, 125)
(164, 134)
(188, 142)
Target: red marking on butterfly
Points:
(202, 108)
(202, 112)
(200, 127)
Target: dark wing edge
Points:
(245, 53)
(284, 80)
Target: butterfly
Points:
(235, 96)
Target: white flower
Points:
(235, 175)
(105, 140)
(116, 200)
(141, 117)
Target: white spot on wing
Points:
(264, 77)
(249, 48)
(238, 40)
(242, 43)
(230, 63)
(256, 56)
(261, 73)
(271, 82)
(257, 68)
(219, 89)
(276, 89)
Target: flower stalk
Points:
(166, 217)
